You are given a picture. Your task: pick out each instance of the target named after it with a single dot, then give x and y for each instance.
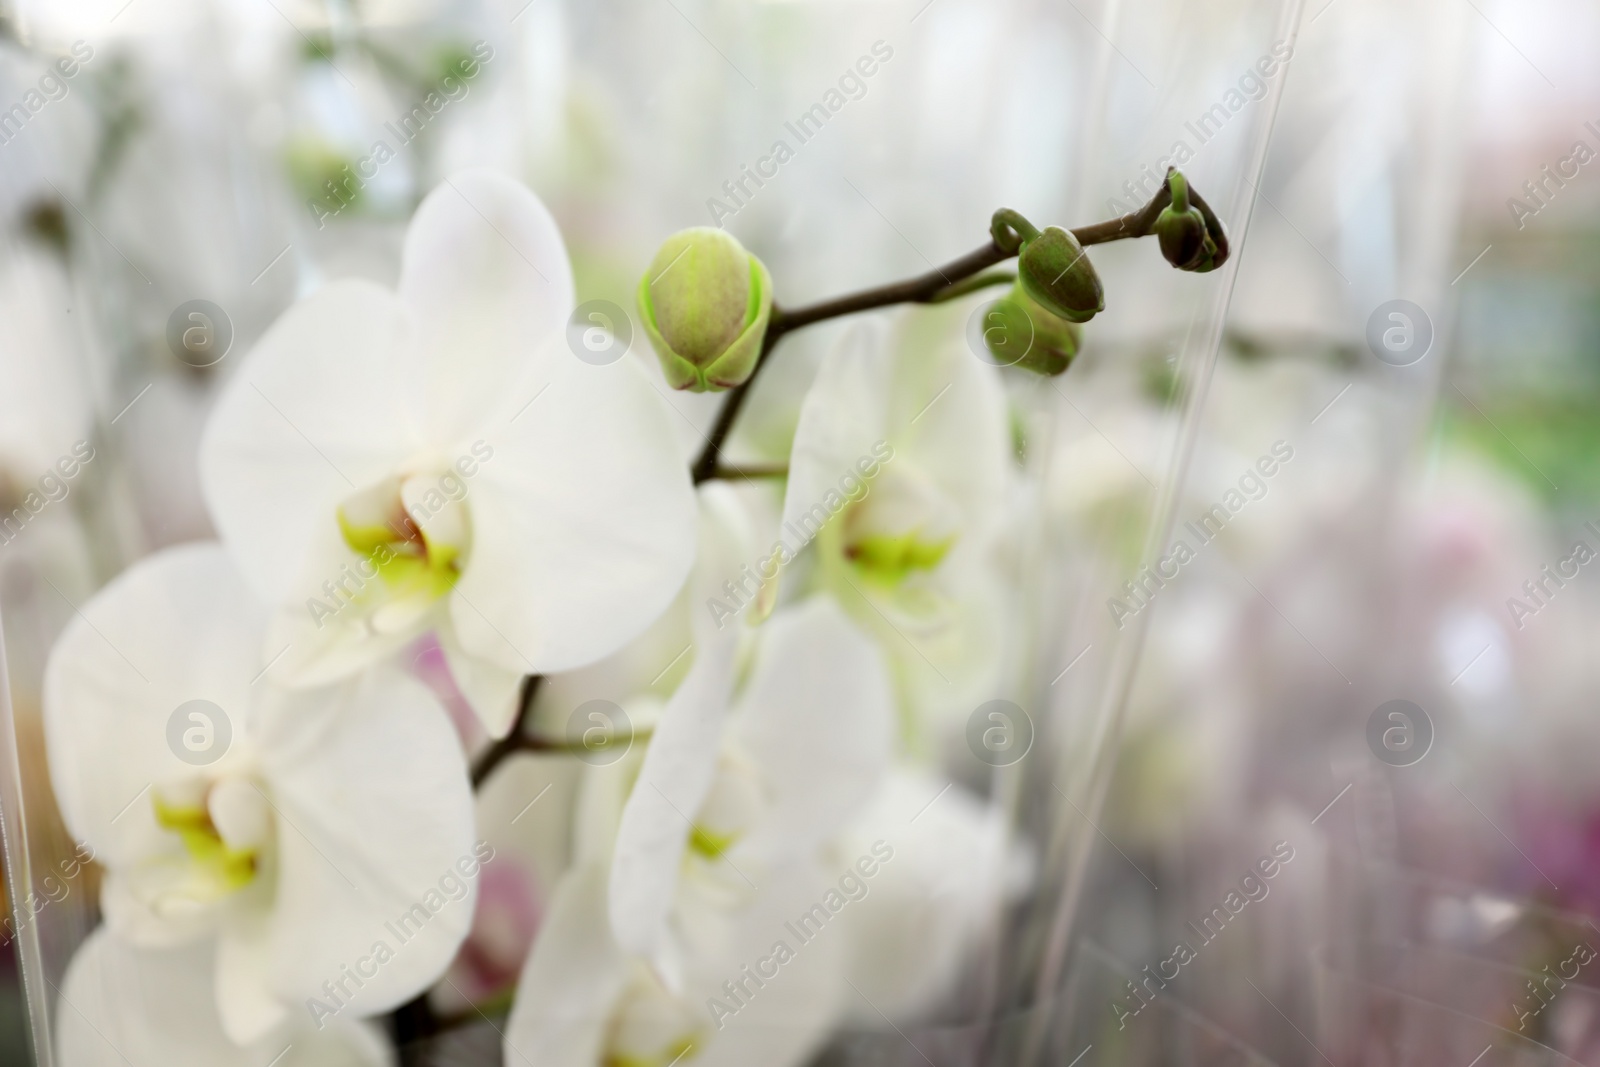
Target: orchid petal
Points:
(954, 867)
(310, 416)
(177, 626)
(818, 717)
(494, 692)
(845, 413)
(674, 780)
(485, 271)
(245, 1003)
(570, 982)
(681, 761)
(120, 1006)
(583, 522)
(137, 922)
(948, 418)
(375, 838)
(789, 1018)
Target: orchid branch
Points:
(956, 278)
(515, 740)
(518, 739)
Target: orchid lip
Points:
(416, 538)
(217, 861)
(907, 525)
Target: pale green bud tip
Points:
(1055, 271)
(705, 303)
(1178, 185)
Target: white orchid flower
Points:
(645, 956)
(388, 463)
(124, 1006)
(324, 837)
(957, 865)
(754, 781)
(900, 472)
(583, 1001)
(693, 853)
(649, 669)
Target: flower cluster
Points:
(440, 538)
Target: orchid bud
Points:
(1056, 273)
(1187, 241)
(1019, 332)
(705, 302)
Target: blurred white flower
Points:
(584, 1002)
(126, 1005)
(956, 867)
(909, 557)
(386, 464)
(297, 826)
(806, 742)
(692, 854)
(44, 397)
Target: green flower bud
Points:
(1019, 332)
(1187, 241)
(1056, 272)
(705, 302)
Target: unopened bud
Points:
(1051, 266)
(1186, 234)
(705, 303)
(1055, 271)
(1019, 332)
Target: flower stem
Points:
(973, 284)
(515, 740)
(752, 470)
(518, 739)
(956, 278)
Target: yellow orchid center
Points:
(416, 532)
(683, 1050)
(906, 524)
(223, 827)
(736, 801)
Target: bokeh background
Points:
(1418, 150)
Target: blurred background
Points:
(1423, 537)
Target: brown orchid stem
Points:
(752, 470)
(956, 278)
(516, 740)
